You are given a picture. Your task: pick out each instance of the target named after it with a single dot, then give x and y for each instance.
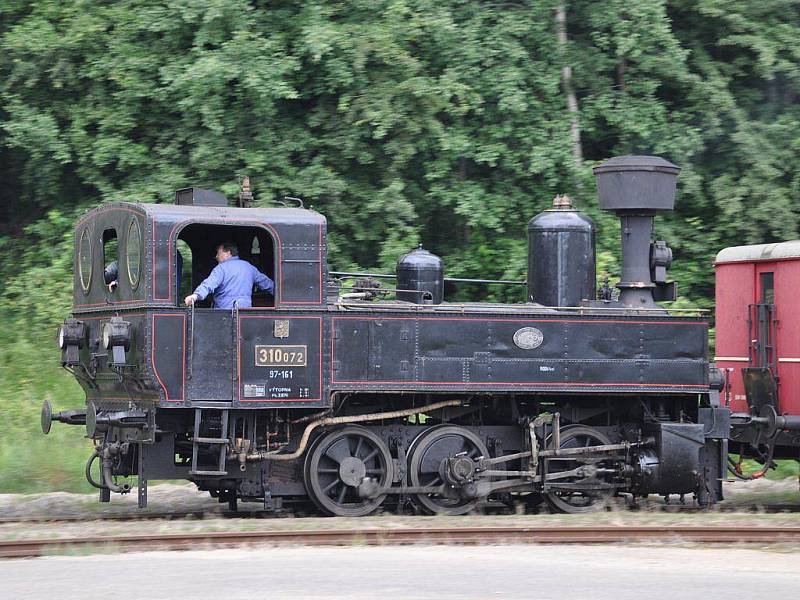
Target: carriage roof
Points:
(759, 252)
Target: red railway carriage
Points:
(758, 340)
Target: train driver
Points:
(231, 281)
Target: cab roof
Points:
(179, 213)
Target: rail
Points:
(402, 536)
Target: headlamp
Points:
(71, 337)
(117, 338)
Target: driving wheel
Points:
(580, 494)
(336, 465)
(427, 464)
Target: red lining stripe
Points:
(188, 222)
(520, 320)
(335, 381)
(239, 362)
(183, 355)
(525, 383)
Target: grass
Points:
(30, 461)
(784, 468)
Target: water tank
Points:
(561, 256)
(420, 276)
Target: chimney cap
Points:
(636, 183)
(637, 163)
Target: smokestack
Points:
(636, 188)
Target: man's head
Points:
(225, 250)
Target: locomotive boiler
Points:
(351, 399)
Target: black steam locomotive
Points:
(352, 399)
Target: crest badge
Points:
(528, 338)
(281, 329)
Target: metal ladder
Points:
(198, 441)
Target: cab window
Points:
(133, 253)
(111, 262)
(198, 243)
(85, 260)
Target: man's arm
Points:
(208, 285)
(264, 283)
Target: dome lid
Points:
(419, 258)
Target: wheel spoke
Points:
(358, 446)
(340, 498)
(338, 451)
(370, 456)
(328, 487)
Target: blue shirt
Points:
(232, 281)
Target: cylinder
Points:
(420, 277)
(561, 256)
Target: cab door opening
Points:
(213, 339)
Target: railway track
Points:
(400, 536)
(257, 515)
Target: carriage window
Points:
(85, 260)
(133, 253)
(767, 288)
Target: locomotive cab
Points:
(138, 351)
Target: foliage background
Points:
(446, 122)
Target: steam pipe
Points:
(347, 419)
(89, 478)
(446, 279)
(105, 456)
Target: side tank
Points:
(561, 256)
(420, 276)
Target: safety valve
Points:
(117, 338)
(71, 338)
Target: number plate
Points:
(281, 356)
